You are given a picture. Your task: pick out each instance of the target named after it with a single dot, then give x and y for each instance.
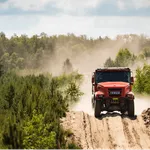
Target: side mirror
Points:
(132, 80)
(92, 79)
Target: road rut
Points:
(111, 131)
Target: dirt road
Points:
(111, 131)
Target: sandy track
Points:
(111, 131)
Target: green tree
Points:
(73, 93)
(109, 63)
(146, 52)
(123, 58)
(37, 134)
(32, 103)
(67, 66)
(142, 83)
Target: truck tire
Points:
(97, 108)
(92, 101)
(131, 108)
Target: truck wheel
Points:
(123, 112)
(97, 108)
(131, 108)
(92, 101)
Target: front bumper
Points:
(114, 104)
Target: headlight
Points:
(130, 96)
(99, 88)
(100, 96)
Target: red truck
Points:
(112, 90)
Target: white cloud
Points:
(26, 4)
(64, 24)
(141, 3)
(72, 6)
(66, 5)
(125, 4)
(4, 5)
(77, 4)
(90, 26)
(121, 4)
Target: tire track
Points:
(99, 141)
(112, 145)
(137, 137)
(142, 133)
(109, 132)
(84, 127)
(90, 129)
(127, 133)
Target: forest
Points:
(35, 94)
(43, 51)
(31, 108)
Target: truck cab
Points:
(112, 90)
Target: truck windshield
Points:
(122, 76)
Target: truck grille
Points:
(114, 92)
(114, 101)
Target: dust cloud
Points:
(82, 60)
(141, 103)
(85, 102)
(86, 61)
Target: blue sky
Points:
(91, 17)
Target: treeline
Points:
(33, 52)
(31, 108)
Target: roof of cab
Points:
(113, 68)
